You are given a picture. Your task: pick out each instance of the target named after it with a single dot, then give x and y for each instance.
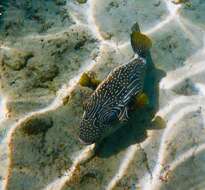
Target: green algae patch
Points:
(180, 1)
(89, 79)
(36, 125)
(60, 2)
(45, 72)
(187, 3)
(81, 1)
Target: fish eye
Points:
(111, 117)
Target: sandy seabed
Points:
(45, 46)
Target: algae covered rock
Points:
(45, 72)
(81, 1)
(56, 58)
(23, 17)
(16, 59)
(36, 125)
(60, 2)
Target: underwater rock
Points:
(36, 125)
(23, 105)
(60, 2)
(45, 72)
(16, 59)
(23, 17)
(55, 61)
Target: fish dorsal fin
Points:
(89, 79)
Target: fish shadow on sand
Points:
(135, 129)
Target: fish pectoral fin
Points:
(95, 82)
(89, 79)
(123, 116)
(141, 100)
(108, 116)
(158, 122)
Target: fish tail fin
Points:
(140, 43)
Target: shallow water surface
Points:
(45, 47)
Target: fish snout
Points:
(84, 142)
(89, 132)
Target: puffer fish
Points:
(110, 101)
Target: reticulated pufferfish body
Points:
(109, 103)
(110, 100)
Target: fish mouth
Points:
(84, 142)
